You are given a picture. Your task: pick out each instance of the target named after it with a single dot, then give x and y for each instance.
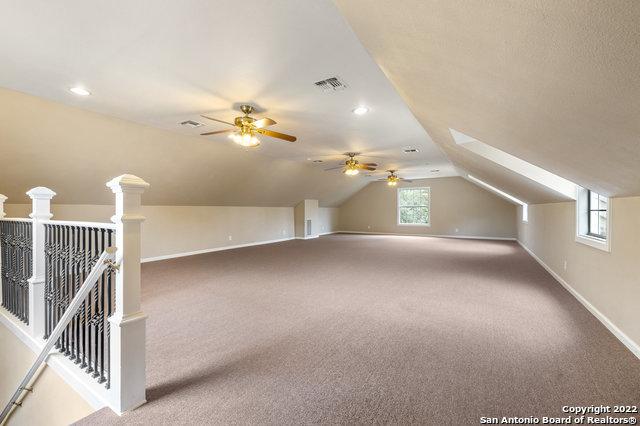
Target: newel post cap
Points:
(127, 183)
(40, 193)
(3, 198)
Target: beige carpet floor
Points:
(370, 329)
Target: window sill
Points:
(594, 242)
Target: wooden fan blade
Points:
(368, 168)
(369, 164)
(219, 121)
(278, 135)
(333, 168)
(406, 180)
(217, 132)
(263, 122)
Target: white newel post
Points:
(3, 198)
(127, 355)
(41, 210)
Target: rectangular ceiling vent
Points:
(410, 150)
(331, 84)
(191, 123)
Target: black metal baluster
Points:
(67, 284)
(96, 312)
(102, 311)
(90, 308)
(110, 301)
(83, 308)
(47, 263)
(56, 280)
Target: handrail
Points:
(105, 260)
(17, 219)
(84, 224)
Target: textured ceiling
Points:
(160, 63)
(552, 82)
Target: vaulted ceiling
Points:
(552, 82)
(159, 64)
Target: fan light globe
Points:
(351, 172)
(245, 139)
(392, 183)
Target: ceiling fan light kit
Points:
(247, 128)
(392, 179)
(352, 166)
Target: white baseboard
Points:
(620, 335)
(330, 232)
(465, 237)
(210, 250)
(86, 386)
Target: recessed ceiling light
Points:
(361, 110)
(80, 91)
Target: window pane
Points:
(413, 197)
(603, 203)
(414, 215)
(603, 224)
(593, 200)
(593, 223)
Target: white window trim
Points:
(582, 221)
(427, 225)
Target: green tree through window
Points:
(413, 206)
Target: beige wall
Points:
(53, 402)
(328, 219)
(458, 207)
(609, 281)
(170, 230)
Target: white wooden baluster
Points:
(41, 210)
(127, 354)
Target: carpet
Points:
(369, 329)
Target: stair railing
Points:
(106, 260)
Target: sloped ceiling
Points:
(75, 152)
(160, 63)
(552, 82)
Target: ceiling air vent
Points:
(333, 83)
(191, 123)
(409, 150)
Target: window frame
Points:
(583, 235)
(428, 205)
(591, 210)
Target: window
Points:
(413, 206)
(597, 206)
(593, 219)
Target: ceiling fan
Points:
(393, 179)
(246, 128)
(352, 166)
